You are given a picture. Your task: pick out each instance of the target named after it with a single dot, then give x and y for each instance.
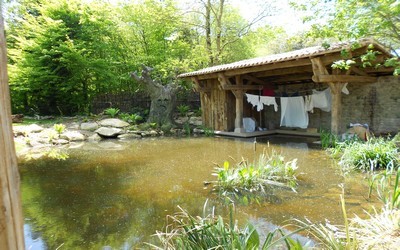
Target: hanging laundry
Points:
(260, 101)
(293, 113)
(255, 101)
(269, 100)
(308, 103)
(322, 99)
(345, 90)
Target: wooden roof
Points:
(292, 67)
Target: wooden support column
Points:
(11, 220)
(239, 106)
(320, 72)
(336, 108)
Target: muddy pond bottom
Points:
(117, 194)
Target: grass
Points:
(376, 153)
(258, 178)
(185, 231)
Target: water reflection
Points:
(117, 194)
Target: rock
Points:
(60, 142)
(73, 125)
(198, 131)
(72, 136)
(91, 126)
(17, 118)
(25, 130)
(108, 132)
(113, 122)
(94, 137)
(129, 136)
(153, 133)
(195, 121)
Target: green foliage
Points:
(59, 128)
(376, 153)
(183, 109)
(328, 139)
(267, 172)
(131, 118)
(343, 64)
(386, 184)
(185, 231)
(111, 112)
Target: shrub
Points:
(131, 118)
(112, 112)
(183, 110)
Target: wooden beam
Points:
(243, 87)
(286, 71)
(253, 79)
(11, 220)
(198, 86)
(271, 66)
(344, 78)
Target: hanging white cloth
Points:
(322, 99)
(269, 100)
(293, 113)
(308, 103)
(255, 101)
(345, 90)
(260, 101)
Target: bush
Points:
(112, 112)
(377, 153)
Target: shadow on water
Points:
(118, 194)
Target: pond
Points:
(116, 194)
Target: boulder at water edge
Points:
(72, 136)
(113, 122)
(108, 132)
(91, 126)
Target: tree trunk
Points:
(163, 97)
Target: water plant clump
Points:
(211, 232)
(374, 154)
(258, 177)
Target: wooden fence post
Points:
(11, 220)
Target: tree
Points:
(163, 97)
(62, 54)
(352, 19)
(222, 30)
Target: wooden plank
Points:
(11, 220)
(344, 78)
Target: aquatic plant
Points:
(379, 231)
(112, 112)
(386, 185)
(376, 153)
(268, 171)
(185, 231)
(59, 128)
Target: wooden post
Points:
(11, 220)
(239, 106)
(336, 108)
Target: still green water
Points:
(117, 194)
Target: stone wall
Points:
(376, 104)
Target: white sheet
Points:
(293, 113)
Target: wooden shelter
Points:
(222, 88)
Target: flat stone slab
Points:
(108, 132)
(113, 122)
